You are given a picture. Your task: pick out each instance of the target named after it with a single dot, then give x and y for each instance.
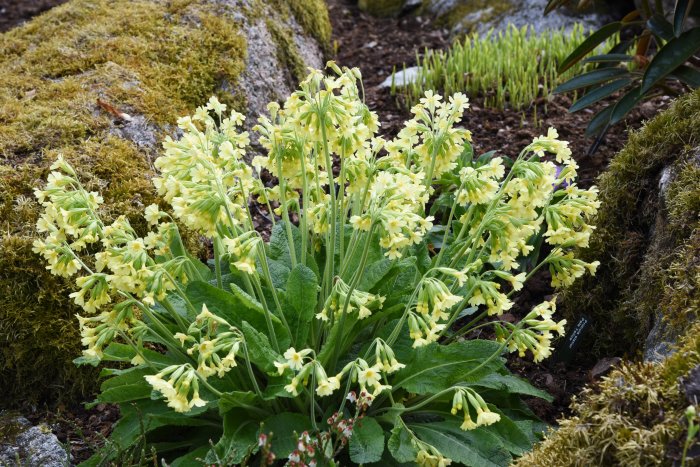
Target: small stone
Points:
(31, 445)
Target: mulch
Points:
(376, 46)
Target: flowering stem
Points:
(250, 371)
(268, 320)
(285, 213)
(329, 273)
(217, 262)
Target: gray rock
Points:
(498, 15)
(402, 78)
(22, 444)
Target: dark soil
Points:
(15, 12)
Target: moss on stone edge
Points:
(381, 7)
(470, 14)
(630, 420)
(639, 277)
(149, 58)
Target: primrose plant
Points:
(340, 339)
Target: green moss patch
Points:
(634, 418)
(648, 248)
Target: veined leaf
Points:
(434, 367)
(367, 441)
(279, 246)
(590, 79)
(598, 94)
(400, 444)
(285, 428)
(593, 41)
(238, 399)
(235, 308)
(475, 448)
(240, 439)
(302, 295)
(261, 352)
(674, 54)
(126, 387)
(511, 384)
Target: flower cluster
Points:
(533, 333)
(181, 379)
(344, 299)
(465, 400)
(203, 174)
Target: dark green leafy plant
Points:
(331, 341)
(652, 53)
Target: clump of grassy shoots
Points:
(511, 68)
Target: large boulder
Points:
(647, 289)
(102, 83)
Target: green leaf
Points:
(374, 273)
(591, 42)
(598, 94)
(279, 272)
(599, 121)
(367, 441)
(261, 352)
(302, 295)
(285, 429)
(510, 434)
(279, 246)
(239, 440)
(688, 75)
(400, 445)
(235, 308)
(680, 14)
(126, 387)
(477, 448)
(191, 458)
(436, 367)
(511, 384)
(590, 79)
(238, 399)
(609, 58)
(625, 104)
(672, 55)
(660, 27)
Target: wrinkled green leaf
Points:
(474, 448)
(126, 387)
(672, 55)
(400, 445)
(261, 352)
(591, 42)
(279, 246)
(511, 384)
(302, 295)
(238, 399)
(367, 441)
(285, 429)
(240, 439)
(235, 308)
(436, 367)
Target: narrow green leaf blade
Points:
(590, 79)
(660, 27)
(598, 94)
(680, 14)
(591, 42)
(367, 441)
(688, 75)
(609, 58)
(674, 54)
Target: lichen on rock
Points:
(69, 76)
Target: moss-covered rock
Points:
(382, 7)
(68, 77)
(647, 239)
(635, 417)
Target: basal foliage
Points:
(334, 340)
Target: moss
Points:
(634, 418)
(155, 59)
(312, 15)
(646, 265)
(287, 52)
